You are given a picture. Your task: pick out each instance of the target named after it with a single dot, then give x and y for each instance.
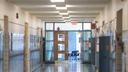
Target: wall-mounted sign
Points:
(93, 25)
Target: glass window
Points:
(49, 26)
(49, 56)
(61, 57)
(49, 46)
(87, 45)
(49, 36)
(86, 35)
(68, 26)
(61, 37)
(87, 26)
(61, 47)
(86, 56)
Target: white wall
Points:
(109, 13)
(9, 9)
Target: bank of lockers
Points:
(104, 54)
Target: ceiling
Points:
(77, 10)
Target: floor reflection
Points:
(67, 66)
(16, 62)
(16, 65)
(0, 65)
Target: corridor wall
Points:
(34, 48)
(16, 36)
(16, 47)
(9, 9)
(108, 15)
(108, 19)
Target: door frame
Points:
(56, 42)
(67, 32)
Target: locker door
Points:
(104, 54)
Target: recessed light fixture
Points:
(66, 17)
(66, 20)
(63, 13)
(57, 0)
(61, 8)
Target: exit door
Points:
(61, 45)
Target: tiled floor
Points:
(16, 63)
(67, 66)
(70, 66)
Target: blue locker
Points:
(104, 54)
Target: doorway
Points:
(67, 45)
(61, 45)
(76, 40)
(74, 45)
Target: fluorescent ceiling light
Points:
(63, 13)
(61, 8)
(52, 5)
(66, 17)
(57, 0)
(66, 20)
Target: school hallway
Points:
(63, 35)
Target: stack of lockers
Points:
(104, 54)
